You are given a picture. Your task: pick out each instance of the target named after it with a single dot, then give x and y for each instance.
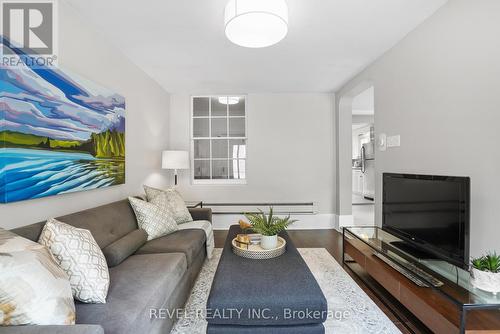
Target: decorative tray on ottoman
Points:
(258, 253)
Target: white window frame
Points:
(192, 139)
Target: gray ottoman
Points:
(272, 296)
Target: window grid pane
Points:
(201, 149)
(225, 140)
(237, 169)
(219, 128)
(237, 109)
(201, 106)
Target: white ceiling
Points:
(364, 103)
(181, 43)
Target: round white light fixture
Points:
(229, 100)
(256, 23)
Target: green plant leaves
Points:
(270, 224)
(489, 262)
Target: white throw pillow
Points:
(170, 199)
(80, 257)
(155, 220)
(33, 289)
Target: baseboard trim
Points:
(305, 222)
(343, 221)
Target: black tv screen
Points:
(429, 212)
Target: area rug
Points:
(351, 310)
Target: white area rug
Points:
(352, 311)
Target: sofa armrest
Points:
(201, 214)
(70, 329)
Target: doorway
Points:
(363, 158)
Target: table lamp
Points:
(175, 160)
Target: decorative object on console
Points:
(171, 200)
(78, 254)
(485, 273)
(269, 226)
(35, 290)
(156, 220)
(59, 133)
(175, 160)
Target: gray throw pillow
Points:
(169, 199)
(155, 220)
(122, 248)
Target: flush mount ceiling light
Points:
(256, 23)
(229, 100)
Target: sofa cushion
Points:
(138, 284)
(122, 248)
(189, 242)
(107, 223)
(77, 253)
(33, 289)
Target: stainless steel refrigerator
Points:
(368, 169)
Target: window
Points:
(218, 139)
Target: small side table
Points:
(194, 204)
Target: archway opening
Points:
(355, 130)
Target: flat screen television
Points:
(429, 213)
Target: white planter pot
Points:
(269, 242)
(485, 280)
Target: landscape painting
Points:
(59, 133)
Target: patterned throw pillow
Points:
(171, 199)
(155, 220)
(80, 257)
(33, 289)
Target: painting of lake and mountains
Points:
(58, 134)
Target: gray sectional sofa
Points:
(157, 274)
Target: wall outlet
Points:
(394, 141)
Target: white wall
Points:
(290, 153)
(358, 119)
(440, 90)
(84, 52)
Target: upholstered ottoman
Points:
(272, 296)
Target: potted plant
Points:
(269, 226)
(486, 273)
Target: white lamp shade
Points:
(175, 160)
(256, 23)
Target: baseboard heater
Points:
(307, 208)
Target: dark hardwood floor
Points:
(332, 241)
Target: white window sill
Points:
(219, 182)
